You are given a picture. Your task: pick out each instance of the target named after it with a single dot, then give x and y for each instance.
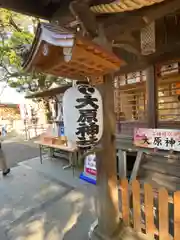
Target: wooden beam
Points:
(163, 54)
(62, 14)
(133, 67)
(122, 164)
(129, 47)
(128, 24)
(26, 7)
(160, 10)
(67, 15)
(138, 19)
(129, 43)
(81, 10)
(128, 37)
(49, 92)
(137, 163)
(151, 95)
(108, 209)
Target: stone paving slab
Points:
(68, 219)
(45, 202)
(26, 190)
(54, 168)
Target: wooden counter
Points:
(61, 147)
(72, 152)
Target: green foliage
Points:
(19, 38)
(4, 17)
(17, 26)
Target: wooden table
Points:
(71, 150)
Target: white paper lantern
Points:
(83, 117)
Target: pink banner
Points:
(164, 139)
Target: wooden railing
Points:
(149, 211)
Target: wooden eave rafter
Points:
(114, 24)
(118, 23)
(60, 9)
(166, 53)
(134, 21)
(49, 92)
(59, 52)
(66, 39)
(119, 27)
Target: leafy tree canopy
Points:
(16, 36)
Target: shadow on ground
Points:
(68, 218)
(40, 205)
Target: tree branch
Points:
(12, 23)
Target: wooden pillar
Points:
(122, 163)
(107, 206)
(151, 93)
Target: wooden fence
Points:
(138, 210)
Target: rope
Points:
(123, 6)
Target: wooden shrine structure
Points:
(130, 50)
(51, 96)
(49, 92)
(10, 112)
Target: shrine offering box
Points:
(57, 141)
(64, 139)
(48, 140)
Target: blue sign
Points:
(89, 173)
(61, 130)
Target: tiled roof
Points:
(52, 34)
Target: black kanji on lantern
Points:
(157, 141)
(87, 99)
(87, 116)
(170, 142)
(91, 129)
(88, 128)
